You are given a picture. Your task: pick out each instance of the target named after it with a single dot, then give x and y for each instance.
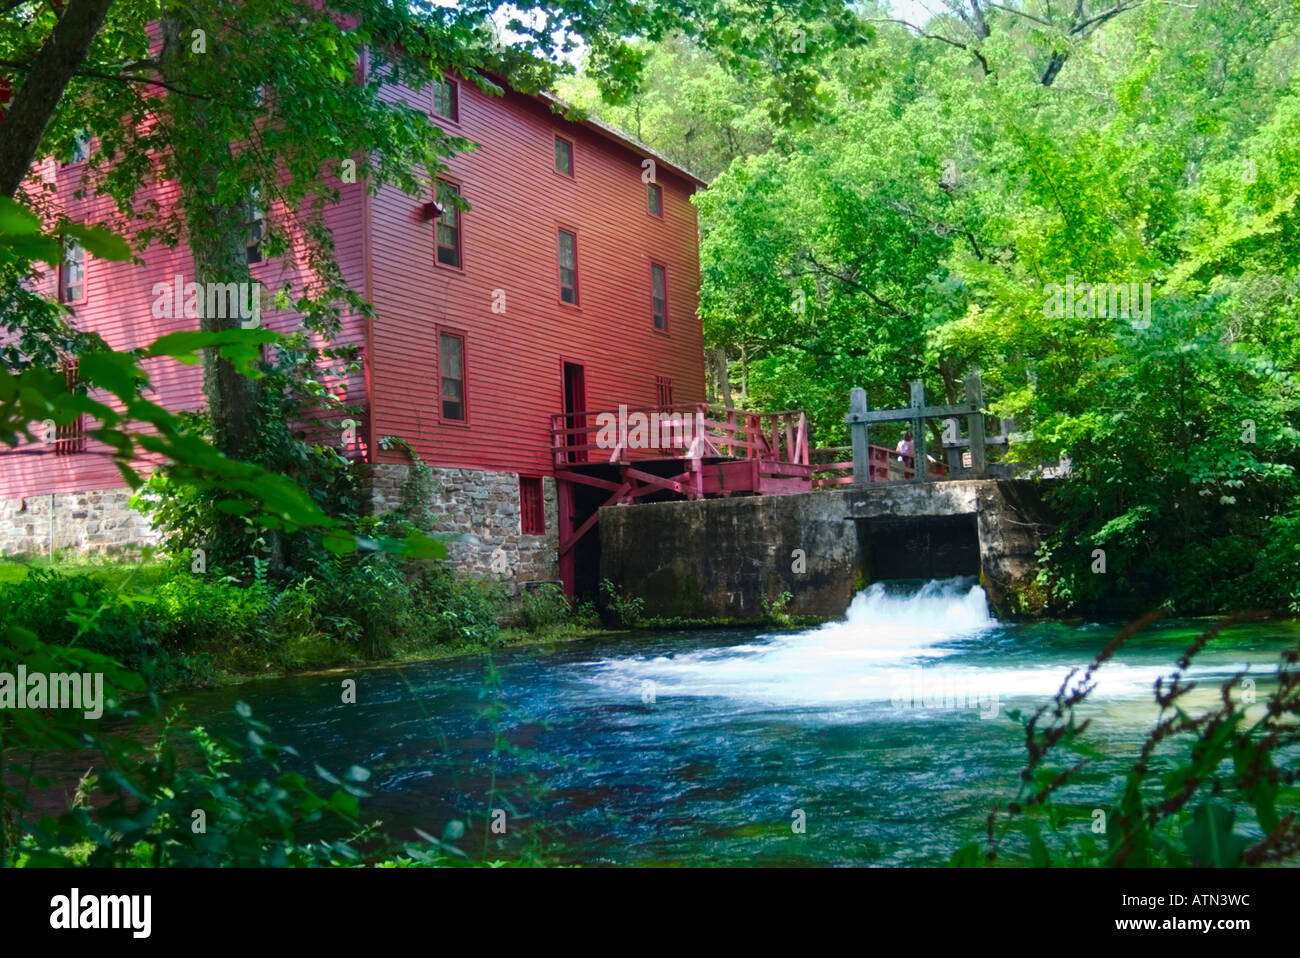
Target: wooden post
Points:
(975, 396)
(858, 433)
(918, 433)
(954, 452)
(564, 501)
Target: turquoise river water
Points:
(886, 734)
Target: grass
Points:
(139, 575)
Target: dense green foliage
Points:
(180, 628)
(918, 229)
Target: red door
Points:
(575, 410)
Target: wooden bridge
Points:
(700, 450)
(685, 450)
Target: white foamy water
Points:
(889, 648)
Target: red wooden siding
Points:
(118, 302)
(510, 240)
(503, 298)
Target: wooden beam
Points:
(903, 415)
(564, 504)
(781, 487)
(585, 480)
(566, 545)
(771, 468)
(652, 480)
(988, 441)
(858, 432)
(975, 421)
(918, 432)
(649, 490)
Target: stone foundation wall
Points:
(100, 521)
(719, 558)
(482, 508)
(478, 506)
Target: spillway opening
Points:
(923, 547)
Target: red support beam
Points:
(566, 545)
(578, 477)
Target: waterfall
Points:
(887, 626)
(909, 647)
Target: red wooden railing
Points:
(678, 431)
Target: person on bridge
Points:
(904, 447)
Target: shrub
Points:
(455, 610)
(192, 612)
(298, 636)
(624, 611)
(587, 614)
(367, 599)
(80, 610)
(777, 611)
(543, 608)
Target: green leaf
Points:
(241, 346)
(417, 545)
(116, 372)
(339, 543)
(99, 241)
(1209, 836)
(345, 804)
(1039, 856)
(16, 218)
(34, 246)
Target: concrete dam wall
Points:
(720, 558)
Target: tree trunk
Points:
(721, 377)
(217, 233)
(55, 64)
(1053, 68)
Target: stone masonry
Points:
(480, 509)
(100, 521)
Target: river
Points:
(881, 739)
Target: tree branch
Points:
(934, 36)
(54, 65)
(118, 78)
(851, 281)
(943, 229)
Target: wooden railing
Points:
(885, 465)
(679, 431)
(967, 456)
